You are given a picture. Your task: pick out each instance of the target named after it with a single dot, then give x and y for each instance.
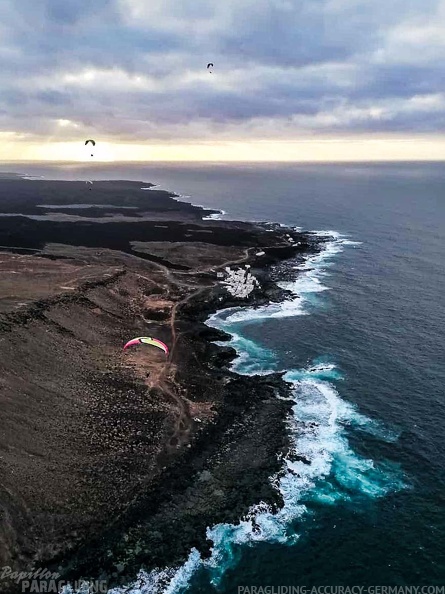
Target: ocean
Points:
(362, 344)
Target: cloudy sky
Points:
(293, 79)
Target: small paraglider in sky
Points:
(147, 340)
(93, 142)
(209, 67)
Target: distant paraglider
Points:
(93, 142)
(209, 66)
(147, 340)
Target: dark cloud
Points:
(400, 80)
(136, 69)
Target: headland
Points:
(111, 461)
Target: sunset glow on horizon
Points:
(315, 150)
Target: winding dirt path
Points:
(166, 380)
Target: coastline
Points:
(194, 481)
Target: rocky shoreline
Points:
(152, 453)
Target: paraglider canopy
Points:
(93, 142)
(209, 65)
(147, 340)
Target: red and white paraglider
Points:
(147, 340)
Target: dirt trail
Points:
(166, 379)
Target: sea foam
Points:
(321, 465)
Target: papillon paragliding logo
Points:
(210, 67)
(93, 142)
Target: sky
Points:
(317, 80)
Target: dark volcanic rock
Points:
(142, 453)
(221, 356)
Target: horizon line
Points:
(219, 161)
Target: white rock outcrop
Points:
(239, 283)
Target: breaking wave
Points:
(321, 467)
(214, 216)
